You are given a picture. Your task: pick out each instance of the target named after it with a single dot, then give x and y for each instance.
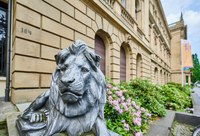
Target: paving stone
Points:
(161, 127)
(158, 131)
(6, 107)
(10, 120)
(182, 130)
(196, 100)
(167, 120)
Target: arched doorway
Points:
(122, 64)
(161, 77)
(156, 75)
(100, 50)
(139, 66)
(164, 78)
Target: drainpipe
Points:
(7, 90)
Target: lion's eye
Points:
(83, 69)
(65, 67)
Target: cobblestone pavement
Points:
(180, 129)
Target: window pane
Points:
(3, 27)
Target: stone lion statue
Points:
(74, 104)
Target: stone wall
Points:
(178, 31)
(42, 27)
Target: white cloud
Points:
(191, 16)
(173, 18)
(192, 20)
(176, 6)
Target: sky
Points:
(191, 16)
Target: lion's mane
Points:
(74, 104)
(95, 89)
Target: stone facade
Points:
(42, 27)
(178, 31)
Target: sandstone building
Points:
(132, 36)
(179, 32)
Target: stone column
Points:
(115, 62)
(189, 79)
(133, 9)
(146, 17)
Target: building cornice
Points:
(164, 17)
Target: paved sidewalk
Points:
(161, 126)
(196, 101)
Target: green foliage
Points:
(196, 69)
(130, 104)
(176, 97)
(148, 95)
(123, 115)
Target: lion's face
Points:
(77, 83)
(74, 76)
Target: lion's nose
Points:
(67, 82)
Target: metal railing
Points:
(118, 8)
(126, 16)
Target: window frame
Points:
(3, 8)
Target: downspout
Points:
(7, 90)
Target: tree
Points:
(196, 69)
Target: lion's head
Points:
(77, 83)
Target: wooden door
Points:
(122, 64)
(101, 51)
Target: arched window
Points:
(139, 66)
(101, 51)
(164, 79)
(136, 9)
(161, 77)
(138, 12)
(156, 75)
(122, 64)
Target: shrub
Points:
(123, 115)
(176, 97)
(148, 95)
(130, 104)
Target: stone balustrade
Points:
(118, 8)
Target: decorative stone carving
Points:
(74, 104)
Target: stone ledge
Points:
(10, 120)
(186, 118)
(6, 107)
(12, 130)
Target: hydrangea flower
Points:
(137, 121)
(138, 134)
(127, 107)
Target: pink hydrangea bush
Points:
(123, 115)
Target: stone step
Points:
(10, 120)
(12, 130)
(6, 107)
